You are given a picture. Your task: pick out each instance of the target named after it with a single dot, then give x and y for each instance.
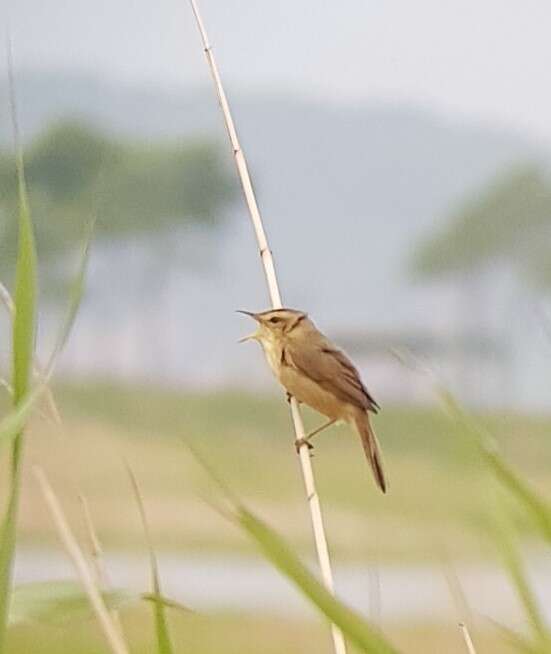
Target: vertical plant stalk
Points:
(275, 297)
(461, 604)
(112, 634)
(23, 330)
(467, 638)
(164, 642)
(38, 372)
(95, 548)
(99, 567)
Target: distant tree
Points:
(508, 222)
(505, 226)
(75, 171)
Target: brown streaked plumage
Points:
(317, 373)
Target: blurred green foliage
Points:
(76, 172)
(507, 221)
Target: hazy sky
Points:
(487, 59)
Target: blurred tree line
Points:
(503, 227)
(507, 222)
(76, 172)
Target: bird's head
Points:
(277, 324)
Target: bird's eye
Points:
(274, 320)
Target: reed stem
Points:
(275, 297)
(467, 638)
(110, 629)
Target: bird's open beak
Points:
(248, 313)
(255, 335)
(250, 337)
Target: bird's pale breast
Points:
(272, 351)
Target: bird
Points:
(317, 373)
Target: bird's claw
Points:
(303, 441)
(289, 397)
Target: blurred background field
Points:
(393, 554)
(239, 634)
(438, 503)
(404, 181)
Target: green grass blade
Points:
(57, 602)
(367, 638)
(164, 643)
(165, 601)
(24, 322)
(12, 424)
(518, 641)
(25, 305)
(22, 358)
(7, 548)
(505, 539)
(538, 508)
(278, 552)
(75, 297)
(60, 601)
(535, 506)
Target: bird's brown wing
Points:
(332, 370)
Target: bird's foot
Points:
(303, 441)
(289, 397)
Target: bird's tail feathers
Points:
(371, 448)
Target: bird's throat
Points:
(272, 350)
